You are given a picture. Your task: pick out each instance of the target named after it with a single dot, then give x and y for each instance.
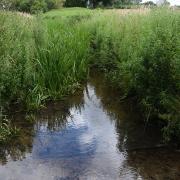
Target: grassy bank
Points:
(141, 55)
(48, 56)
(41, 57)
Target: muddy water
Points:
(91, 135)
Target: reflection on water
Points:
(88, 136)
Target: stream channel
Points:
(91, 135)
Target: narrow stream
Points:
(89, 136)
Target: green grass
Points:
(62, 58)
(16, 56)
(48, 56)
(69, 12)
(141, 55)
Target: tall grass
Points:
(47, 57)
(16, 57)
(141, 55)
(61, 57)
(41, 58)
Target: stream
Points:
(91, 135)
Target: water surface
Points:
(89, 136)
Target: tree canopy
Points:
(34, 6)
(30, 6)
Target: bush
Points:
(83, 3)
(75, 3)
(51, 4)
(38, 6)
(30, 6)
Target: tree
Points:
(75, 3)
(162, 2)
(30, 6)
(24, 5)
(149, 3)
(83, 3)
(51, 4)
(127, 1)
(38, 6)
(7, 4)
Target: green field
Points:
(69, 12)
(47, 57)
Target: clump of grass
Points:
(61, 58)
(40, 58)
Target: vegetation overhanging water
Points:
(89, 135)
(48, 56)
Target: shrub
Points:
(30, 6)
(75, 3)
(38, 6)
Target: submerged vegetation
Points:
(48, 56)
